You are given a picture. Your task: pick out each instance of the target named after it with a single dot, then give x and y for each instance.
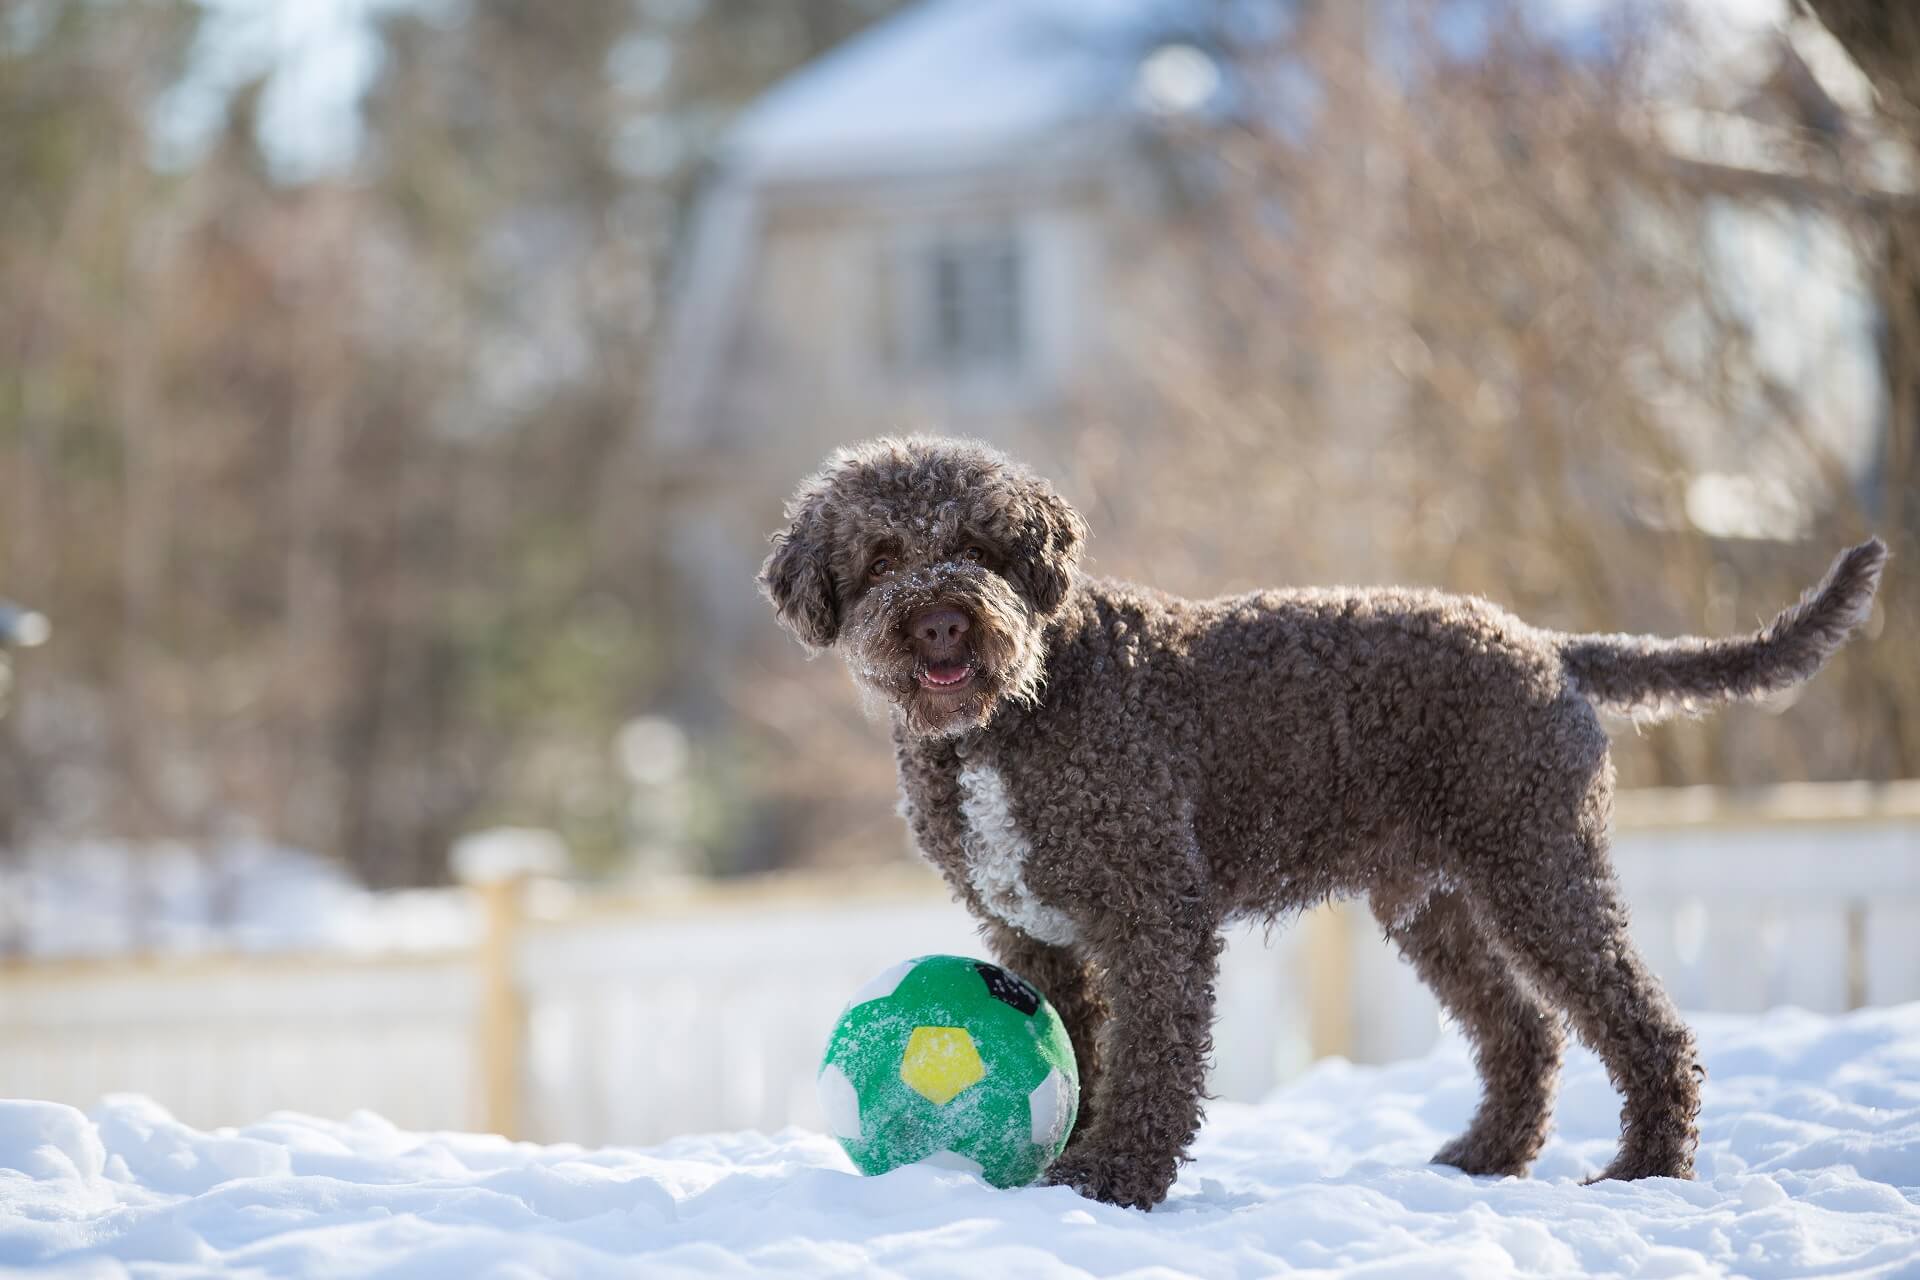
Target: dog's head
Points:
(932, 565)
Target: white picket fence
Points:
(623, 1020)
(224, 1040)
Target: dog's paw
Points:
(1631, 1165)
(1131, 1184)
(1473, 1155)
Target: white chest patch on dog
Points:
(997, 853)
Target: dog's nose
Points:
(941, 625)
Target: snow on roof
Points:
(948, 80)
(944, 83)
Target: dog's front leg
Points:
(1061, 974)
(1156, 978)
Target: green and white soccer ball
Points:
(953, 1062)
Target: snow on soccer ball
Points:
(954, 1062)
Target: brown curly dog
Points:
(1106, 774)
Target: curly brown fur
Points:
(1106, 774)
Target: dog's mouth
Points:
(949, 675)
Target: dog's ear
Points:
(798, 576)
(1049, 547)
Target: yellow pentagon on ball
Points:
(940, 1063)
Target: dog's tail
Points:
(1654, 678)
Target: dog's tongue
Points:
(946, 672)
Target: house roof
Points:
(947, 81)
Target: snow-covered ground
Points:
(1810, 1166)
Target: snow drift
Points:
(1810, 1166)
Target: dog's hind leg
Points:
(1557, 909)
(1516, 1036)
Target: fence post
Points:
(498, 865)
(503, 1011)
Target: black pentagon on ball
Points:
(1009, 988)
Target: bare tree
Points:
(1465, 321)
(334, 483)
(1883, 38)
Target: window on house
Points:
(962, 313)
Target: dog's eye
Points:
(973, 555)
(880, 568)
